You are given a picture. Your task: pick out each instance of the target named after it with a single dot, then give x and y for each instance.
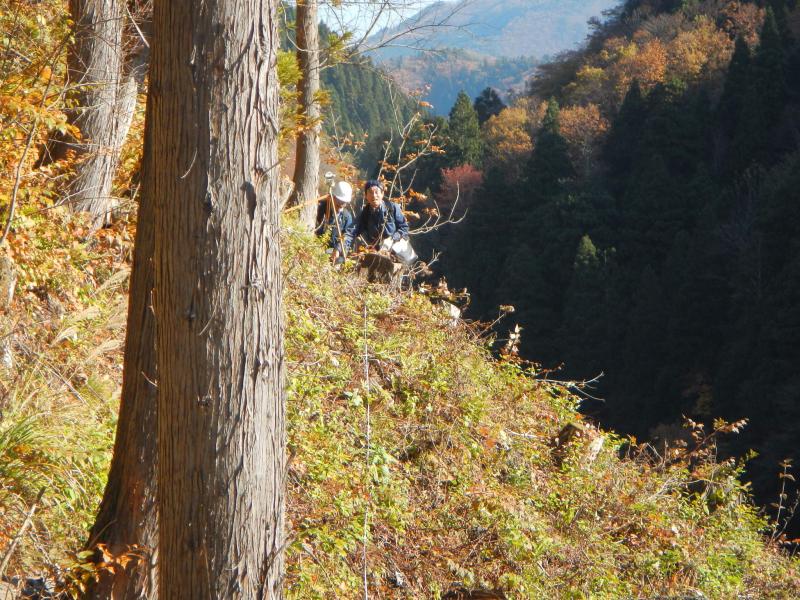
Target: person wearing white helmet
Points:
(334, 213)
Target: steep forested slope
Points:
(445, 73)
(647, 236)
(471, 473)
(498, 28)
(363, 99)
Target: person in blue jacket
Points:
(333, 212)
(380, 218)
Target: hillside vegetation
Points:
(446, 72)
(362, 99)
(463, 480)
(474, 44)
(419, 460)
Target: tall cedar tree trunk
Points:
(217, 299)
(127, 521)
(306, 170)
(105, 92)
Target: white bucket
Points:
(404, 252)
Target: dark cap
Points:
(373, 183)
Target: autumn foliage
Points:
(647, 238)
(583, 128)
(668, 47)
(459, 184)
(31, 95)
(507, 137)
(479, 472)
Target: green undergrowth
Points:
(404, 433)
(460, 481)
(60, 374)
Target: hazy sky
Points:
(359, 15)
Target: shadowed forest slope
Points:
(635, 210)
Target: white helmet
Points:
(343, 192)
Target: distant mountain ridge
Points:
(481, 43)
(449, 71)
(499, 28)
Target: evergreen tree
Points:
(359, 100)
(221, 468)
(550, 165)
(649, 223)
(464, 133)
(642, 356)
(524, 284)
(750, 137)
(735, 113)
(675, 128)
(429, 167)
(480, 244)
(773, 383)
(780, 10)
(488, 104)
(582, 332)
(697, 284)
(769, 76)
(622, 145)
(701, 117)
(779, 214)
(737, 82)
(793, 74)
(763, 103)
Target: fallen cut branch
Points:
(15, 542)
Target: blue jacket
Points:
(347, 225)
(377, 225)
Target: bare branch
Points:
(390, 12)
(18, 173)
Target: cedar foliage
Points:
(463, 132)
(360, 100)
(488, 104)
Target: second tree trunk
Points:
(306, 171)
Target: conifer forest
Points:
(650, 236)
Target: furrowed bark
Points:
(105, 87)
(127, 522)
(215, 183)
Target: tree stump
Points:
(379, 268)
